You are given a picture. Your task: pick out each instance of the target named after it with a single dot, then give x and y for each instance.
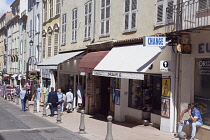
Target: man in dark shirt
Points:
(52, 100)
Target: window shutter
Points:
(55, 43)
(160, 12)
(169, 11)
(44, 44)
(203, 4)
(49, 45)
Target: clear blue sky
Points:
(10, 1)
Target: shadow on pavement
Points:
(125, 124)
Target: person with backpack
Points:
(52, 100)
(60, 98)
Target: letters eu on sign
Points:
(154, 41)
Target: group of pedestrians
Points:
(59, 98)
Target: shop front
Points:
(70, 78)
(140, 89)
(195, 79)
(97, 95)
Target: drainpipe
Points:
(177, 99)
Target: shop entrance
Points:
(105, 95)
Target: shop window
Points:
(202, 88)
(145, 94)
(116, 91)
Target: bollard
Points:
(17, 100)
(44, 114)
(13, 99)
(59, 114)
(35, 110)
(82, 123)
(27, 105)
(182, 135)
(109, 128)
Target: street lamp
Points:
(31, 43)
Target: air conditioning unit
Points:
(5, 41)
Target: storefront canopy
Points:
(91, 60)
(52, 63)
(129, 62)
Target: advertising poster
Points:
(166, 87)
(165, 107)
(117, 97)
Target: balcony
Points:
(191, 16)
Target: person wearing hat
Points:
(69, 100)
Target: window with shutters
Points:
(165, 12)
(44, 44)
(55, 43)
(57, 7)
(51, 8)
(88, 7)
(130, 15)
(105, 17)
(204, 5)
(45, 11)
(49, 46)
(74, 25)
(63, 29)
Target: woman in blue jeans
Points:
(22, 97)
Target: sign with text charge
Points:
(154, 41)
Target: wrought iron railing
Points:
(191, 14)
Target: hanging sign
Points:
(154, 41)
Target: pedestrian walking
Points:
(17, 89)
(22, 97)
(60, 98)
(69, 100)
(52, 100)
(38, 97)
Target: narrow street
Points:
(18, 125)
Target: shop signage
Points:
(164, 66)
(203, 48)
(154, 41)
(126, 75)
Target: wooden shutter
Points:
(55, 43)
(203, 4)
(49, 45)
(44, 44)
(160, 12)
(170, 11)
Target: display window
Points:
(145, 94)
(202, 88)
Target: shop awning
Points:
(14, 75)
(91, 60)
(52, 63)
(129, 62)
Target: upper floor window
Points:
(130, 15)
(30, 4)
(74, 25)
(38, 23)
(105, 17)
(87, 20)
(57, 7)
(63, 28)
(204, 4)
(165, 12)
(51, 8)
(45, 11)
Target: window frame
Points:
(129, 13)
(104, 34)
(64, 29)
(49, 48)
(51, 8)
(44, 47)
(58, 7)
(164, 21)
(45, 11)
(88, 16)
(56, 34)
(74, 25)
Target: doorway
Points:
(105, 95)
